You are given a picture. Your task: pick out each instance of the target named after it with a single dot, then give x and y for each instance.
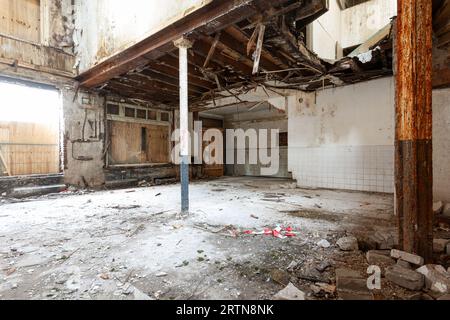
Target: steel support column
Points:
(413, 143)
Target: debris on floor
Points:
(324, 243)
(349, 243)
(290, 293)
(278, 232)
(103, 248)
(350, 285)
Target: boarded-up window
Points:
(130, 112)
(137, 143)
(113, 109)
(152, 115)
(21, 19)
(141, 114)
(164, 116)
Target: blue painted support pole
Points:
(183, 44)
(184, 184)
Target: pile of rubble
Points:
(406, 270)
(411, 273)
(400, 274)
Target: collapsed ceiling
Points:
(256, 42)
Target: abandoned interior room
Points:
(224, 149)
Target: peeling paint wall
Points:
(84, 132)
(61, 23)
(106, 27)
(50, 49)
(361, 22)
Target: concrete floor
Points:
(131, 244)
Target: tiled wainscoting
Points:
(361, 168)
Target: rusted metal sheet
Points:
(414, 171)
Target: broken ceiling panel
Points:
(236, 45)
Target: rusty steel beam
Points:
(413, 147)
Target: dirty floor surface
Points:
(132, 244)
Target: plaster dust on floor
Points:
(133, 244)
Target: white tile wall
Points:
(361, 168)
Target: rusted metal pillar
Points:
(413, 163)
(184, 44)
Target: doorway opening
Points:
(29, 129)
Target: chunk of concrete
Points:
(438, 207)
(408, 257)
(374, 257)
(351, 286)
(405, 278)
(349, 243)
(324, 244)
(291, 292)
(437, 279)
(404, 264)
(382, 240)
(280, 276)
(346, 273)
(440, 245)
(139, 295)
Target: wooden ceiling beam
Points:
(241, 37)
(173, 72)
(143, 79)
(225, 61)
(172, 61)
(162, 78)
(132, 57)
(131, 85)
(125, 91)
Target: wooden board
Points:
(21, 19)
(213, 170)
(29, 148)
(126, 143)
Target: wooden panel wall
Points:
(21, 19)
(126, 143)
(28, 148)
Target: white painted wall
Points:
(360, 22)
(343, 138)
(325, 32)
(105, 27)
(441, 147)
(348, 27)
